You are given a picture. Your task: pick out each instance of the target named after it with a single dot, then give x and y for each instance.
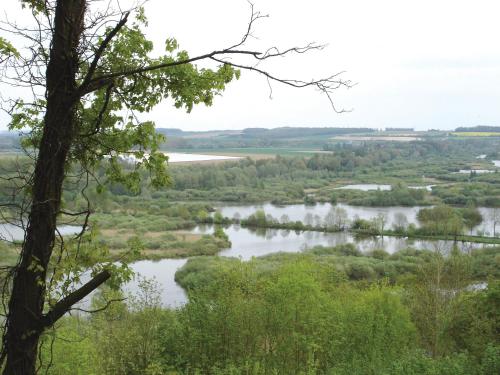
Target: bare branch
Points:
(325, 85)
(254, 16)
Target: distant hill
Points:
(172, 132)
(255, 137)
(478, 128)
(283, 132)
(399, 129)
(9, 141)
(295, 132)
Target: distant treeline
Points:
(9, 142)
(479, 128)
(399, 129)
(255, 137)
(174, 132)
(288, 132)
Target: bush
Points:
(379, 254)
(359, 271)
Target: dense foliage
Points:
(295, 314)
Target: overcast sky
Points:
(423, 64)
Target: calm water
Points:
(246, 243)
(179, 157)
(369, 187)
(10, 232)
(365, 187)
(478, 171)
(298, 212)
(496, 163)
(163, 271)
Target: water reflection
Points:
(316, 214)
(163, 271)
(247, 243)
(253, 242)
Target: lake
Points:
(298, 212)
(163, 271)
(11, 232)
(365, 187)
(369, 187)
(478, 171)
(247, 243)
(179, 157)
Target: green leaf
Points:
(7, 49)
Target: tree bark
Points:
(26, 305)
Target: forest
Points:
(327, 311)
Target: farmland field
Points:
(254, 152)
(392, 138)
(476, 134)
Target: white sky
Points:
(423, 64)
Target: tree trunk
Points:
(26, 306)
